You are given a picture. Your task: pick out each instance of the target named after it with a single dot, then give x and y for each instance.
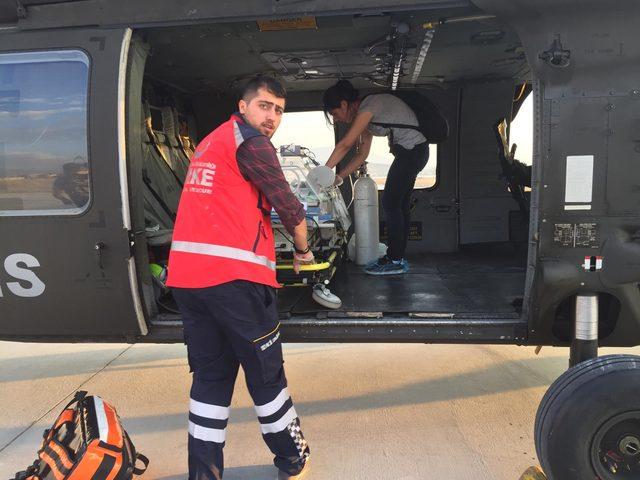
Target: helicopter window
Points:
(380, 160)
(522, 132)
(44, 165)
(311, 130)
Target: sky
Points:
(522, 131)
(43, 116)
(309, 129)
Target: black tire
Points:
(582, 415)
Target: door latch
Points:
(99, 247)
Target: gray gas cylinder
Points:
(365, 211)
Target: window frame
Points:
(64, 54)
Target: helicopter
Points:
(102, 102)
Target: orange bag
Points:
(86, 442)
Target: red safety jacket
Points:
(223, 227)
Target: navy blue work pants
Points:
(225, 326)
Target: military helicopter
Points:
(102, 102)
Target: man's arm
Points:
(258, 163)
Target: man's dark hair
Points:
(270, 84)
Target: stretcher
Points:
(328, 223)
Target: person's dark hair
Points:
(270, 84)
(333, 96)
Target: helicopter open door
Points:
(66, 268)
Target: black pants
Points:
(225, 326)
(396, 199)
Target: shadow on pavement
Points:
(499, 378)
(74, 363)
(56, 365)
(254, 472)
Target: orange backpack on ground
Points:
(86, 442)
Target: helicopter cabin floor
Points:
(486, 279)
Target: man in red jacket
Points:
(222, 269)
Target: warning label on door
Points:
(415, 231)
(576, 235)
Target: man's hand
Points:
(338, 181)
(302, 259)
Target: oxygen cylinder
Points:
(365, 211)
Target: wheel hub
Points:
(630, 446)
(615, 452)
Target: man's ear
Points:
(242, 106)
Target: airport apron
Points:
(222, 268)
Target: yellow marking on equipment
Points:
(533, 473)
(268, 334)
(309, 268)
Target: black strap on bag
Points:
(395, 125)
(144, 460)
(31, 471)
(80, 395)
(138, 456)
(431, 123)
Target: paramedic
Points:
(222, 268)
(374, 115)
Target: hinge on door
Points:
(132, 242)
(20, 10)
(556, 55)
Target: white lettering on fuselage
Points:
(17, 266)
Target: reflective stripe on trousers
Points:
(225, 326)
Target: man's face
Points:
(263, 112)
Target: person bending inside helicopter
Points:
(368, 116)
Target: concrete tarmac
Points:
(383, 411)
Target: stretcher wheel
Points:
(588, 423)
(324, 297)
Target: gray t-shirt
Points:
(387, 108)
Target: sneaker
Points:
(371, 264)
(285, 476)
(386, 266)
(405, 265)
